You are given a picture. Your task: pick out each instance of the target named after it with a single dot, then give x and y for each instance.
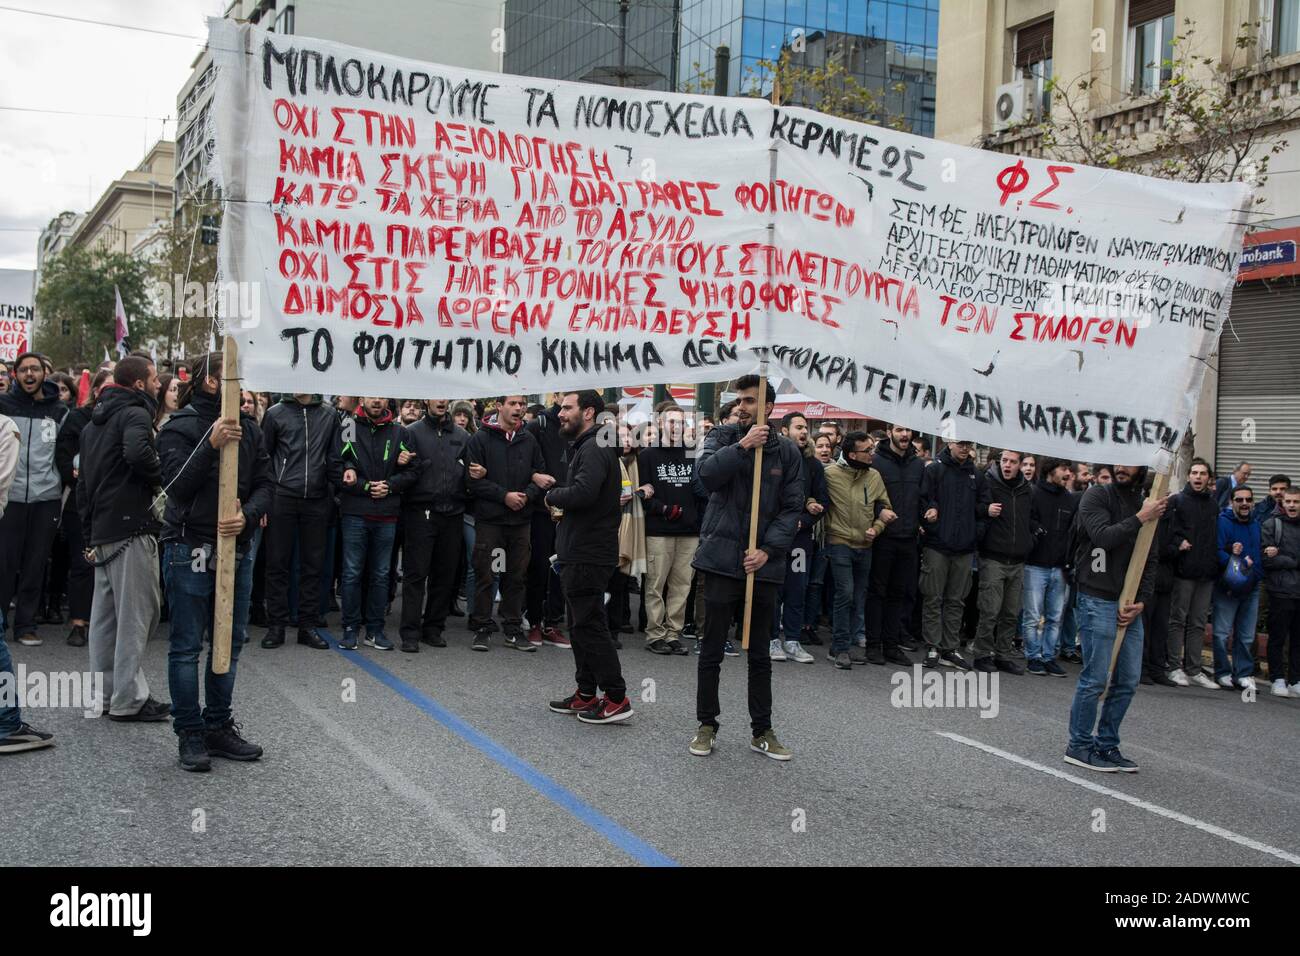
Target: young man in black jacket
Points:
(189, 447)
(117, 481)
(376, 467)
(1195, 533)
(433, 521)
(1006, 538)
(505, 496)
(544, 596)
(1106, 531)
(301, 433)
(949, 498)
(672, 532)
(1051, 514)
(789, 613)
(894, 554)
(586, 545)
(725, 470)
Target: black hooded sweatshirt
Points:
(902, 477)
(120, 470)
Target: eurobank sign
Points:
(1268, 255)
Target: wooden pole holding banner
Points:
(1132, 580)
(223, 604)
(762, 411)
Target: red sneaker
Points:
(555, 637)
(605, 711)
(573, 704)
(535, 636)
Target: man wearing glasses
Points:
(1236, 594)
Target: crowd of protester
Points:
(534, 524)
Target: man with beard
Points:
(789, 610)
(119, 470)
(1107, 525)
(1052, 511)
(950, 490)
(894, 558)
(1006, 538)
(726, 472)
(433, 520)
(586, 543)
(1194, 537)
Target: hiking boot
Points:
(702, 742)
(226, 741)
(274, 637)
(194, 755)
(767, 744)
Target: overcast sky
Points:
(51, 162)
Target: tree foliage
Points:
(76, 304)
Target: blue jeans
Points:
(366, 543)
(10, 718)
(190, 597)
(469, 564)
(1097, 627)
(1044, 596)
(1069, 626)
(851, 569)
(789, 613)
(812, 605)
(1235, 615)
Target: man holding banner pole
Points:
(725, 471)
(1108, 528)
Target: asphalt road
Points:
(450, 756)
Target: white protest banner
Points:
(17, 289)
(414, 229)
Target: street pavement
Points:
(451, 757)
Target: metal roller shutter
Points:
(1259, 382)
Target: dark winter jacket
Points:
(588, 532)
(1282, 573)
(371, 448)
(726, 472)
(68, 445)
(815, 489)
(38, 419)
(1051, 510)
(1010, 536)
(1231, 530)
(953, 488)
(440, 445)
(120, 471)
(555, 447)
(1195, 519)
(301, 440)
(671, 472)
(191, 473)
(1107, 520)
(511, 463)
(902, 475)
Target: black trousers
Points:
(596, 664)
(26, 533)
(723, 596)
(81, 575)
(894, 567)
(305, 520)
(501, 549)
(1283, 637)
(1155, 621)
(431, 552)
(545, 599)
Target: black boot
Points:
(274, 637)
(309, 637)
(227, 742)
(194, 752)
(77, 636)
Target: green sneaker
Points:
(702, 744)
(768, 745)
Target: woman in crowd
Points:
(169, 387)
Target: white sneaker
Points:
(1279, 688)
(1225, 682)
(795, 652)
(1200, 680)
(1248, 683)
(1179, 677)
(1294, 689)
(775, 651)
(30, 640)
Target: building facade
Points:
(890, 46)
(997, 58)
(126, 216)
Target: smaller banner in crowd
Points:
(17, 295)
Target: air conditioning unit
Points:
(1015, 103)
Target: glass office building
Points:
(890, 46)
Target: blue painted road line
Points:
(625, 840)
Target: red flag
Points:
(83, 387)
(183, 374)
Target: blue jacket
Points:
(1232, 530)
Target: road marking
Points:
(625, 840)
(1127, 798)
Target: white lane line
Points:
(1127, 798)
